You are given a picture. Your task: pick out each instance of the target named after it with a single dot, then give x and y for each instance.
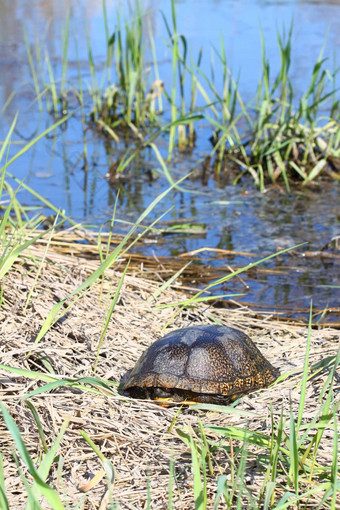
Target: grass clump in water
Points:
(277, 137)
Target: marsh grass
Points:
(18, 230)
(71, 327)
(289, 453)
(128, 102)
(285, 137)
(277, 137)
(14, 213)
(275, 449)
(287, 442)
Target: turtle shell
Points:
(200, 363)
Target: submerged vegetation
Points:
(276, 137)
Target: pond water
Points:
(238, 218)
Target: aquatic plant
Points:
(278, 136)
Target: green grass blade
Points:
(39, 137)
(294, 456)
(198, 489)
(163, 164)
(54, 382)
(14, 254)
(3, 498)
(305, 371)
(276, 438)
(192, 299)
(94, 447)
(171, 484)
(52, 86)
(316, 170)
(203, 299)
(7, 139)
(334, 469)
(23, 372)
(40, 198)
(109, 315)
(221, 483)
(31, 500)
(65, 50)
(33, 71)
(38, 424)
(167, 284)
(111, 259)
(47, 491)
(78, 383)
(46, 463)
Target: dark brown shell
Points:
(208, 360)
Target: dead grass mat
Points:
(133, 435)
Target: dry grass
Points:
(136, 436)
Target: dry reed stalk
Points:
(134, 435)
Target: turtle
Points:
(203, 363)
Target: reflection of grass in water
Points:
(281, 138)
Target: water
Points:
(238, 217)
